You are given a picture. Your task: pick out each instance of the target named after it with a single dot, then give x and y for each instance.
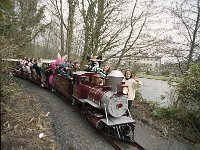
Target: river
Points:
(156, 91)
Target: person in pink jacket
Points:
(133, 84)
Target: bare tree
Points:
(188, 13)
(133, 37)
(102, 26)
(67, 24)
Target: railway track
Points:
(120, 145)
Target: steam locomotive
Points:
(103, 101)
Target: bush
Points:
(171, 112)
(148, 72)
(138, 96)
(185, 113)
(165, 73)
(189, 89)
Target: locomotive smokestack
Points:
(115, 78)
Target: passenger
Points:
(44, 79)
(21, 61)
(32, 61)
(24, 68)
(29, 59)
(28, 70)
(59, 70)
(24, 60)
(106, 69)
(18, 68)
(71, 64)
(48, 73)
(66, 64)
(41, 69)
(23, 65)
(39, 63)
(94, 65)
(37, 69)
(76, 67)
(63, 71)
(133, 84)
(34, 74)
(67, 73)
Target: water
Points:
(156, 90)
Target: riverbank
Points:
(150, 114)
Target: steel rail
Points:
(116, 144)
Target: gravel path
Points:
(72, 131)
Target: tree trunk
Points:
(69, 41)
(193, 38)
(61, 30)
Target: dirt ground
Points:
(24, 125)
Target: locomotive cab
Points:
(99, 81)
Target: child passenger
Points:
(133, 84)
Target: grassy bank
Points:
(169, 121)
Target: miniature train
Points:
(103, 101)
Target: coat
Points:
(132, 86)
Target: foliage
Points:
(185, 113)
(138, 96)
(189, 89)
(20, 23)
(148, 72)
(165, 73)
(170, 112)
(185, 122)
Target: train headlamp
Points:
(125, 90)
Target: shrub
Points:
(189, 89)
(165, 73)
(138, 96)
(148, 72)
(186, 110)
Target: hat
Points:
(96, 58)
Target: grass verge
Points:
(168, 121)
